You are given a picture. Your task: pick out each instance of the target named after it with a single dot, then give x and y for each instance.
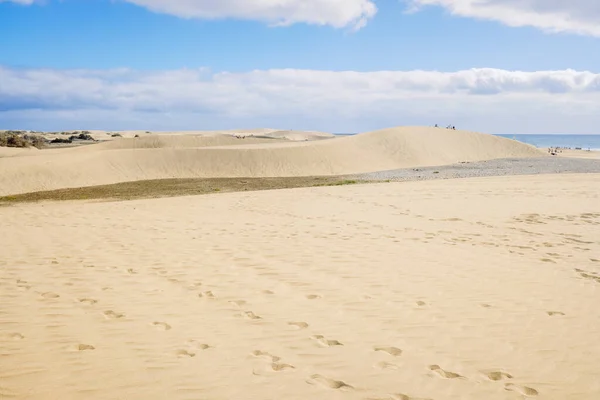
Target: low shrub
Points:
(61, 141)
(81, 136)
(20, 139)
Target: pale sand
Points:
(275, 133)
(459, 289)
(17, 152)
(595, 155)
(204, 157)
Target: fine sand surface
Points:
(484, 288)
(595, 155)
(14, 152)
(173, 156)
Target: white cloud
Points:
(491, 100)
(337, 13)
(573, 16)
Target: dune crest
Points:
(204, 157)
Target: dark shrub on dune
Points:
(82, 136)
(61, 141)
(20, 139)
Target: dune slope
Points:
(374, 151)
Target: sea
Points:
(585, 142)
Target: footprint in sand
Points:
(163, 326)
(279, 367)
(194, 285)
(443, 373)
(320, 339)
(328, 382)
(401, 396)
(393, 351)
(131, 271)
(85, 347)
(313, 297)
(264, 354)
(23, 284)
(273, 367)
(184, 353)
(50, 295)
(421, 303)
(523, 390)
(267, 292)
(207, 295)
(298, 324)
(198, 345)
(554, 313)
(484, 305)
(88, 301)
(251, 316)
(15, 336)
(496, 375)
(386, 365)
(238, 303)
(110, 314)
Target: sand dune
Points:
(475, 289)
(180, 141)
(184, 157)
(268, 132)
(14, 151)
(299, 135)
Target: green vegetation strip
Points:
(173, 187)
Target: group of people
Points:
(448, 127)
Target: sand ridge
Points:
(469, 289)
(193, 157)
(102, 135)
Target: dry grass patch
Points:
(174, 188)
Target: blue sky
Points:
(496, 66)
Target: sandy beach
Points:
(443, 289)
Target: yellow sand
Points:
(190, 157)
(461, 289)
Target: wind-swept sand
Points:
(14, 151)
(218, 157)
(458, 289)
